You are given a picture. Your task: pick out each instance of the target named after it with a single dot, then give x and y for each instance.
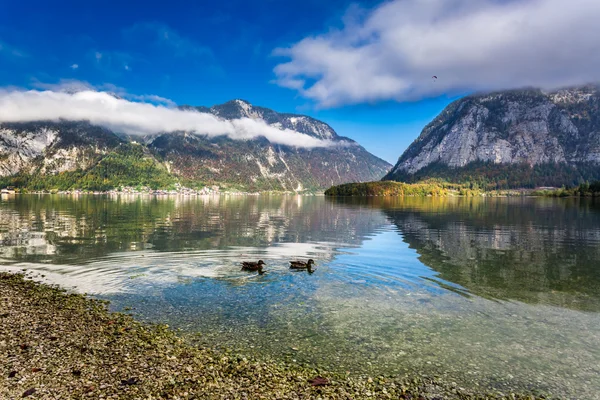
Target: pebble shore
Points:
(60, 345)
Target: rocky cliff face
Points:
(259, 163)
(301, 123)
(55, 147)
(52, 147)
(529, 128)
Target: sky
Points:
(366, 68)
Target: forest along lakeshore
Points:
(440, 297)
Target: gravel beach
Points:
(60, 345)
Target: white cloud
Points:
(392, 51)
(74, 66)
(64, 85)
(132, 117)
(148, 98)
(74, 85)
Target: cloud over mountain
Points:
(136, 117)
(392, 51)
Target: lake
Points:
(496, 293)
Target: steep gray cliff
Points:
(557, 131)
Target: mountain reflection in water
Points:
(532, 250)
(502, 293)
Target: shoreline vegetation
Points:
(438, 188)
(56, 344)
(428, 188)
(176, 190)
(583, 190)
(433, 188)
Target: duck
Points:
(302, 265)
(253, 266)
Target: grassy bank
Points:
(59, 345)
(583, 190)
(438, 188)
(391, 188)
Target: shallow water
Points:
(499, 293)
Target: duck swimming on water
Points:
(253, 266)
(302, 265)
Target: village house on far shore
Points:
(8, 190)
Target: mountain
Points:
(258, 163)
(519, 138)
(69, 154)
(51, 147)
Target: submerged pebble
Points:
(83, 350)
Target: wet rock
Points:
(130, 381)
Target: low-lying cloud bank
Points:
(138, 118)
(394, 50)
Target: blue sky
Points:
(343, 62)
